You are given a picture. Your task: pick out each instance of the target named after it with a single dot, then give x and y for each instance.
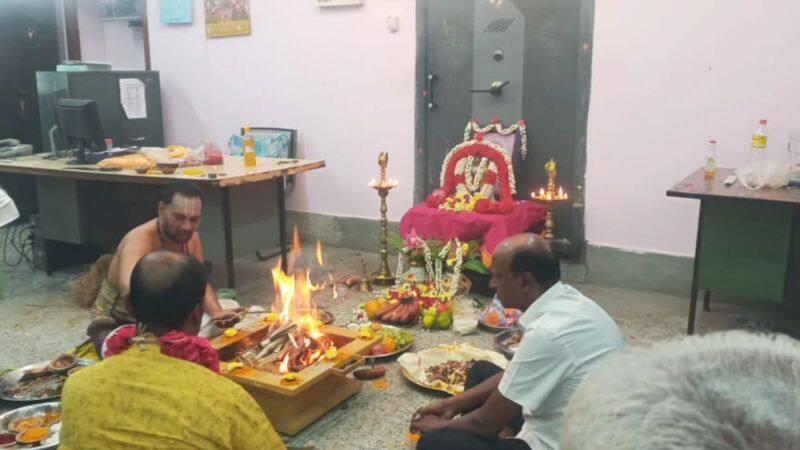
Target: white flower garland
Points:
(437, 279)
(399, 272)
(435, 270)
(510, 168)
(523, 133)
(454, 281)
(428, 260)
(473, 177)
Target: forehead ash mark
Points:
(189, 207)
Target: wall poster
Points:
(227, 18)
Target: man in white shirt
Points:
(565, 334)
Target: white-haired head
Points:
(721, 391)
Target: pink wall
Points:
(667, 76)
(124, 46)
(93, 41)
(337, 75)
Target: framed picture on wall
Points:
(227, 18)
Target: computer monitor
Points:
(80, 125)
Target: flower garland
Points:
(175, 344)
(437, 277)
(473, 177)
(472, 126)
(434, 269)
(451, 181)
(503, 162)
(398, 274)
(428, 260)
(456, 269)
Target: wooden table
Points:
(748, 242)
(78, 205)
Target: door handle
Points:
(496, 88)
(430, 79)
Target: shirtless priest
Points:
(179, 209)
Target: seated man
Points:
(144, 399)
(175, 228)
(565, 334)
(722, 391)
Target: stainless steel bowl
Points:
(501, 339)
(34, 410)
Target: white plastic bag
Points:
(159, 154)
(757, 175)
(465, 320)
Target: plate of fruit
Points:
(406, 305)
(393, 340)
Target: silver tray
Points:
(10, 379)
(33, 410)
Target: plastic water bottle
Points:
(758, 148)
(249, 146)
(711, 160)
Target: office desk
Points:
(90, 207)
(748, 242)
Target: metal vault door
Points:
(511, 59)
(498, 40)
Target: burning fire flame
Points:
(333, 286)
(319, 255)
(294, 304)
(284, 365)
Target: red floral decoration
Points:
(485, 206)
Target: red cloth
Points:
(433, 223)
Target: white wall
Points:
(109, 41)
(337, 75)
(667, 76)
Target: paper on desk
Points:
(132, 97)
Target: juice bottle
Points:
(249, 146)
(711, 161)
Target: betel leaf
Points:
(395, 241)
(476, 265)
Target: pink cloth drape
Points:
(433, 223)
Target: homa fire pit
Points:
(291, 405)
(291, 364)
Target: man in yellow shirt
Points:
(144, 399)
